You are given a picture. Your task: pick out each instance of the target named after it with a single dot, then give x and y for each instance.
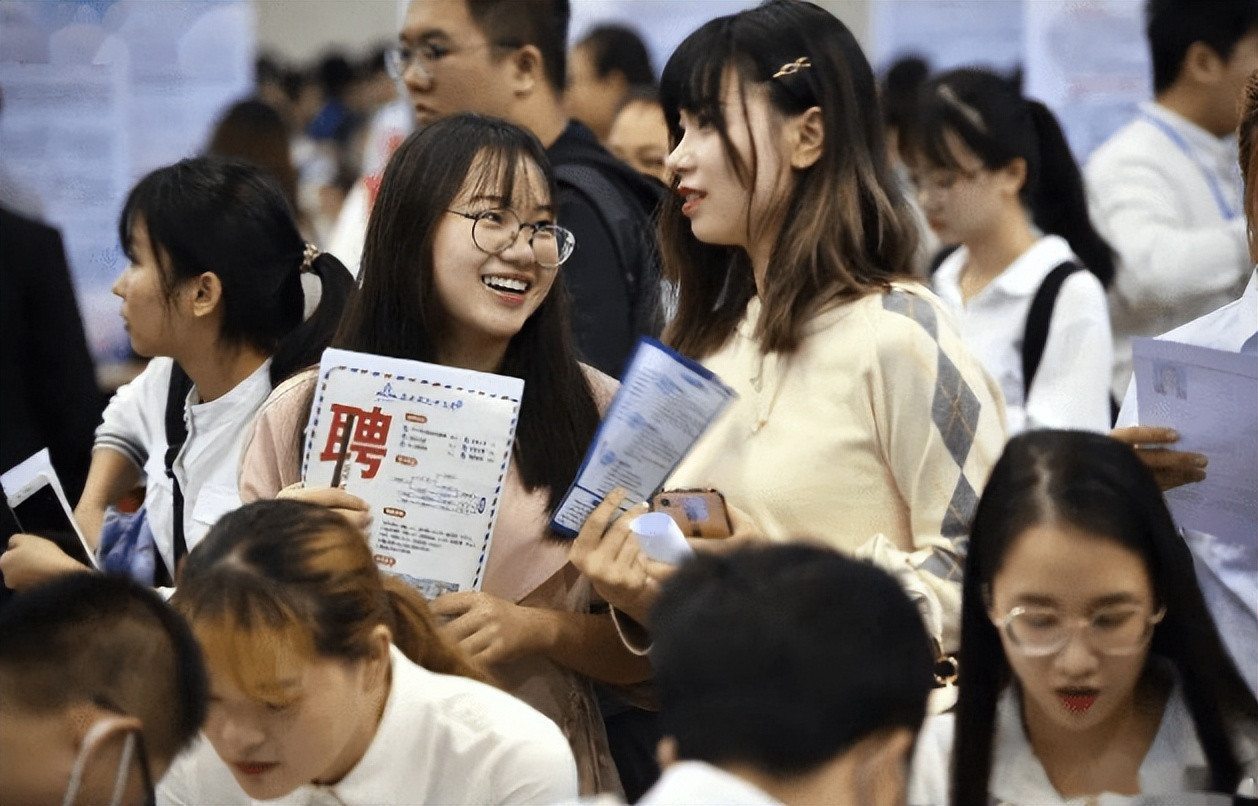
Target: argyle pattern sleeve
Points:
(942, 428)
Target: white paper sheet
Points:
(429, 453)
(1211, 398)
(665, 402)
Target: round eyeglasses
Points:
(400, 58)
(494, 231)
(1038, 632)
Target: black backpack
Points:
(633, 242)
(1039, 317)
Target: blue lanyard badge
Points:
(1175, 137)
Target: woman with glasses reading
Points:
(1091, 667)
(459, 268)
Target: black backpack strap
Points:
(939, 258)
(639, 267)
(176, 434)
(1035, 336)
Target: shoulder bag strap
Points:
(1038, 319)
(176, 434)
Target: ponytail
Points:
(416, 633)
(304, 344)
(1058, 203)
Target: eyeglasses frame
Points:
(1072, 628)
(476, 218)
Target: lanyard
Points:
(1182, 144)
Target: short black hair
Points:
(1172, 26)
(619, 48)
(784, 657)
(541, 23)
(110, 641)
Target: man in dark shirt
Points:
(507, 58)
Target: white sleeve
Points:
(1164, 265)
(1072, 385)
(931, 766)
(540, 770)
(137, 413)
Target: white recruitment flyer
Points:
(665, 403)
(428, 451)
(1211, 398)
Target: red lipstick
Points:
(1077, 701)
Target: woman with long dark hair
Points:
(459, 268)
(1091, 664)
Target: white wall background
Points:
(301, 30)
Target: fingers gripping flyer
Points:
(428, 448)
(665, 403)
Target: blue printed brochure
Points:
(665, 403)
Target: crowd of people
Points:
(950, 579)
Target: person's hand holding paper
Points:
(1170, 467)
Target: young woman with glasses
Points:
(995, 176)
(459, 268)
(1090, 665)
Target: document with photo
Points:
(1211, 398)
(427, 447)
(665, 403)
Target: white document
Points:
(665, 403)
(1211, 398)
(660, 538)
(428, 451)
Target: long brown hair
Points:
(1247, 139)
(847, 229)
(289, 574)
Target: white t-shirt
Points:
(1071, 386)
(442, 739)
(135, 425)
(697, 783)
(1166, 195)
(1173, 770)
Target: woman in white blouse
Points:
(213, 293)
(1091, 669)
(330, 681)
(995, 175)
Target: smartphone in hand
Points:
(698, 512)
(33, 493)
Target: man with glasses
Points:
(507, 58)
(101, 685)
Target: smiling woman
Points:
(459, 268)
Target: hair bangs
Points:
(694, 76)
(258, 645)
(497, 172)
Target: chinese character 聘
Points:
(371, 432)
